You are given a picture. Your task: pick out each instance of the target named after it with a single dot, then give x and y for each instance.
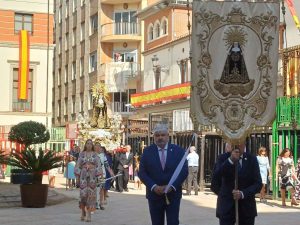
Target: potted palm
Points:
(28, 133)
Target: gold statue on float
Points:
(100, 100)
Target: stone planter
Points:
(34, 195)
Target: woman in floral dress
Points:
(285, 170)
(87, 170)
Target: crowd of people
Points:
(94, 171)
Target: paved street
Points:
(131, 209)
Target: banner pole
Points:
(236, 201)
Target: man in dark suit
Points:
(125, 161)
(249, 183)
(157, 165)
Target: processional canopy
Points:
(234, 65)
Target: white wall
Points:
(17, 118)
(168, 58)
(292, 33)
(38, 61)
(30, 6)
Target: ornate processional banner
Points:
(234, 65)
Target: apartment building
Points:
(165, 84)
(25, 62)
(96, 41)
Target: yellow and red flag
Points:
(291, 6)
(23, 65)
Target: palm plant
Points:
(29, 161)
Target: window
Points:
(94, 24)
(19, 105)
(82, 31)
(157, 74)
(66, 41)
(81, 67)
(81, 102)
(60, 15)
(164, 26)
(157, 30)
(90, 99)
(121, 100)
(150, 32)
(93, 62)
(74, 70)
(59, 78)
(23, 22)
(67, 9)
(59, 46)
(125, 22)
(74, 5)
(66, 74)
(66, 107)
(73, 104)
(125, 56)
(74, 37)
(58, 108)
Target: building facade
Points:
(26, 64)
(96, 41)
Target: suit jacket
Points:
(151, 172)
(249, 182)
(124, 161)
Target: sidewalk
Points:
(130, 208)
(10, 194)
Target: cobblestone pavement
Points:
(128, 209)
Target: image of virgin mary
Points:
(234, 79)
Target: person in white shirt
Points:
(193, 164)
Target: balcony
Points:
(117, 74)
(21, 106)
(114, 2)
(121, 32)
(121, 107)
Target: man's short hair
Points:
(160, 127)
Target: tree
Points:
(28, 133)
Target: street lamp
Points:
(155, 62)
(156, 70)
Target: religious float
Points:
(100, 128)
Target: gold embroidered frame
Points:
(234, 65)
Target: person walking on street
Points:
(249, 183)
(158, 163)
(193, 164)
(87, 170)
(264, 167)
(125, 160)
(285, 170)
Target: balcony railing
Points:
(117, 74)
(21, 107)
(288, 111)
(123, 28)
(121, 107)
